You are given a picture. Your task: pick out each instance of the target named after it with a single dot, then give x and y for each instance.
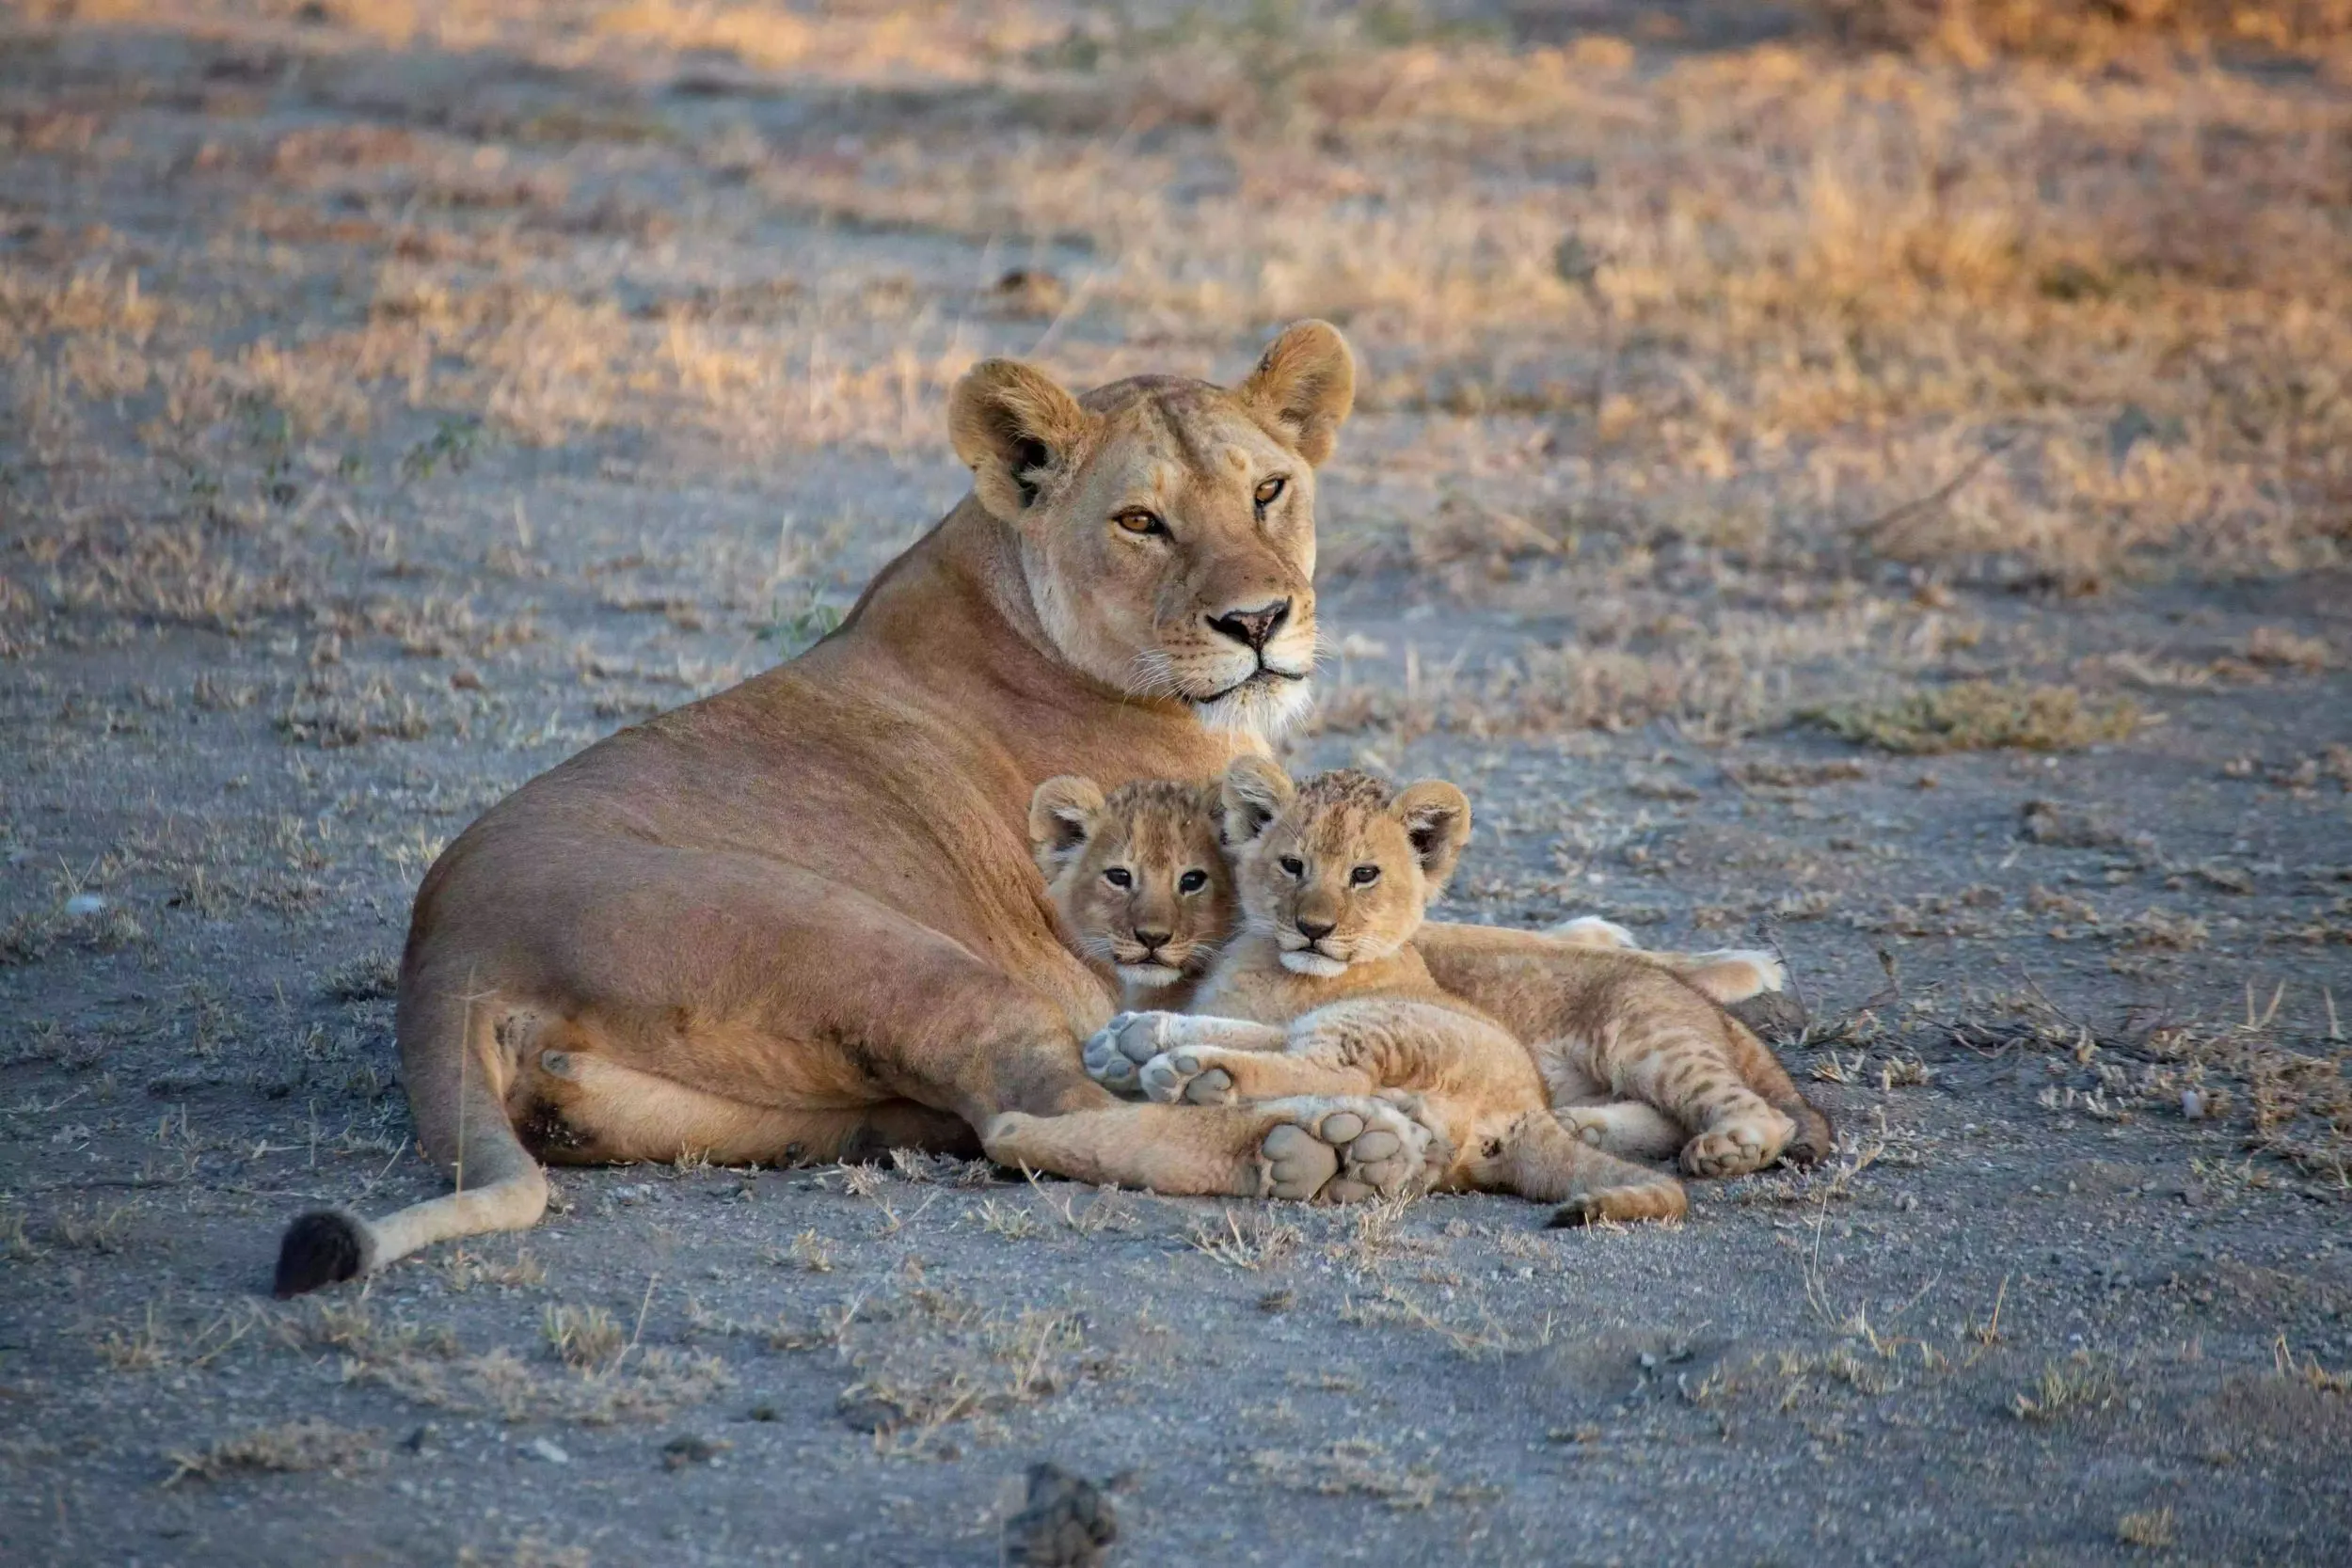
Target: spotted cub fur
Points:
(1138, 880)
(1322, 988)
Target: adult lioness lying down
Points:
(799, 920)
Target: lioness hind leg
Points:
(578, 1108)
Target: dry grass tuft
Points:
(2079, 1384)
(305, 1443)
(2152, 1529)
(1360, 1467)
(1976, 716)
(1245, 1238)
(2090, 33)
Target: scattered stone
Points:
(540, 1448)
(2062, 827)
(1030, 291)
(1068, 1522)
(693, 1448)
(83, 904)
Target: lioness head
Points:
(1140, 876)
(1167, 527)
(1339, 869)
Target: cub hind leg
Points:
(1679, 1056)
(1540, 1159)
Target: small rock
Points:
(1067, 1524)
(539, 1447)
(83, 904)
(2193, 1104)
(425, 1436)
(693, 1448)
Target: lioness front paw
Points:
(1115, 1053)
(1739, 1148)
(1187, 1077)
(1343, 1151)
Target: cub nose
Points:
(1251, 627)
(1153, 939)
(1314, 930)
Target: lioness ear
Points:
(1254, 793)
(1061, 820)
(1304, 385)
(1015, 428)
(1437, 817)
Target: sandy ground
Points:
(400, 397)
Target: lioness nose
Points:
(1153, 939)
(1314, 930)
(1251, 627)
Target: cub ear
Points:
(1061, 820)
(1015, 429)
(1304, 385)
(1437, 817)
(1254, 793)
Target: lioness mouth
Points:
(1263, 675)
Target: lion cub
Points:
(1321, 992)
(1139, 879)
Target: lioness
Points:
(799, 919)
(1139, 879)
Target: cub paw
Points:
(1648, 1197)
(1175, 1077)
(1745, 971)
(1115, 1053)
(1591, 931)
(1345, 1151)
(1744, 1145)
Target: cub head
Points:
(1167, 527)
(1338, 869)
(1138, 874)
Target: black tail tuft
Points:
(1573, 1215)
(323, 1247)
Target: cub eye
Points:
(1364, 876)
(1119, 875)
(1192, 881)
(1140, 522)
(1269, 491)
(1294, 865)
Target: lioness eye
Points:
(1269, 491)
(1293, 864)
(1192, 881)
(1364, 876)
(1119, 875)
(1140, 523)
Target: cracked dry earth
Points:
(489, 384)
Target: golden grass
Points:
(306, 1443)
(1975, 716)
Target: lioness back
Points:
(1139, 879)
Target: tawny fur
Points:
(1138, 880)
(799, 918)
(1620, 1022)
